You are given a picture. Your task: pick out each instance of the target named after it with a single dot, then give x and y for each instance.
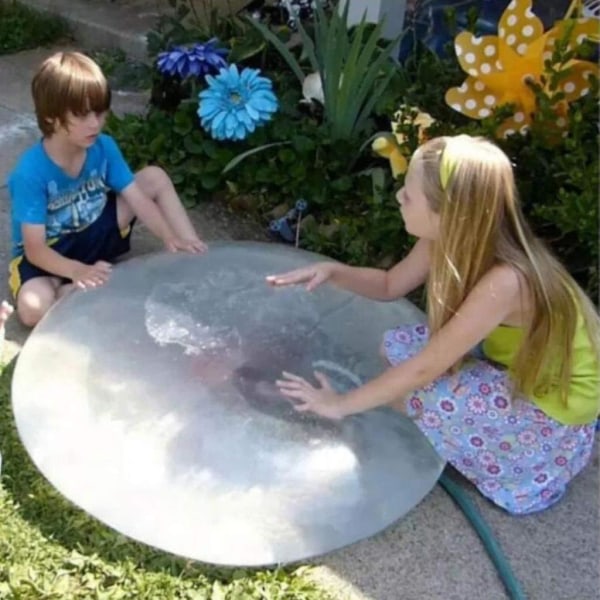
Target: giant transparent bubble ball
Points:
(150, 403)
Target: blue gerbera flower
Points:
(192, 61)
(235, 104)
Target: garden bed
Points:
(319, 151)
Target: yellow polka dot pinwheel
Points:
(499, 67)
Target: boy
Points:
(73, 196)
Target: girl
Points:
(504, 381)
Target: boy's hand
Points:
(89, 276)
(193, 245)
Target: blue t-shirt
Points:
(42, 193)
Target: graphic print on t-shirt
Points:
(74, 208)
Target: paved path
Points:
(432, 554)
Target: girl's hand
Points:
(313, 276)
(323, 401)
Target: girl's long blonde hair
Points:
(469, 182)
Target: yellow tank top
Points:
(583, 398)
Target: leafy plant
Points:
(354, 67)
(22, 27)
(192, 21)
(557, 177)
(352, 214)
(122, 72)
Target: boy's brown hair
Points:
(68, 82)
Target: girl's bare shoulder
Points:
(512, 285)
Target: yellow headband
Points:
(448, 165)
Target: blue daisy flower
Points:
(235, 104)
(192, 61)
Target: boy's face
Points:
(81, 130)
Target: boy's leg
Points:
(35, 298)
(157, 185)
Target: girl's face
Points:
(419, 219)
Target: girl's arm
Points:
(489, 303)
(377, 284)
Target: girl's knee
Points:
(382, 352)
(400, 344)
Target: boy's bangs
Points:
(88, 95)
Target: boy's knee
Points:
(32, 305)
(154, 176)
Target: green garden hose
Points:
(460, 496)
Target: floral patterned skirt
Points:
(514, 453)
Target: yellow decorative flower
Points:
(422, 121)
(499, 67)
(392, 147)
(387, 147)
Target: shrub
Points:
(22, 27)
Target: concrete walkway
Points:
(432, 554)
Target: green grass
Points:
(22, 28)
(52, 550)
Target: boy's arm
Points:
(39, 254)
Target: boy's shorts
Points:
(101, 240)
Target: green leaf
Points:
(177, 177)
(286, 155)
(213, 166)
(210, 181)
(303, 143)
(157, 144)
(248, 47)
(281, 48)
(343, 184)
(183, 123)
(211, 149)
(240, 157)
(193, 144)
